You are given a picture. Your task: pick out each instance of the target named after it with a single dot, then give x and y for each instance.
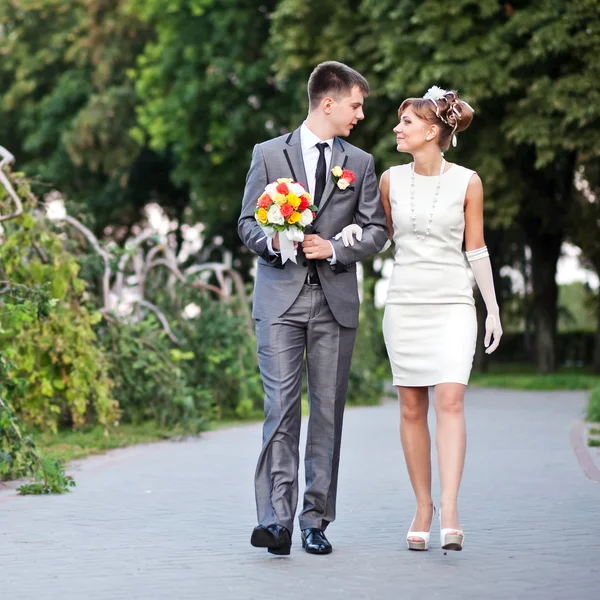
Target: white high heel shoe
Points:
(424, 535)
(449, 539)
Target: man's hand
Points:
(315, 247)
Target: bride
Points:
(429, 324)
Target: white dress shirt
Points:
(310, 155)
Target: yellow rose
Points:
(261, 215)
(280, 199)
(293, 200)
(294, 217)
(284, 180)
(337, 171)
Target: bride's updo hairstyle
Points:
(442, 108)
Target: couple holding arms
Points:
(309, 308)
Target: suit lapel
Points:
(293, 155)
(339, 158)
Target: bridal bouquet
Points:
(285, 207)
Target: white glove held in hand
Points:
(482, 270)
(347, 233)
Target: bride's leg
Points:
(416, 443)
(451, 442)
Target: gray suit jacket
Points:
(277, 285)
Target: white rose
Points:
(342, 184)
(306, 218)
(274, 215)
(296, 189)
(271, 189)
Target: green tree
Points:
(528, 68)
(68, 105)
(207, 96)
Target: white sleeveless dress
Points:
(429, 324)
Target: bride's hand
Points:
(493, 328)
(347, 233)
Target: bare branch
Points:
(181, 277)
(7, 159)
(161, 318)
(93, 240)
(129, 247)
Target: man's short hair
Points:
(333, 78)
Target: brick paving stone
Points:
(173, 520)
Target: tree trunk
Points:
(545, 251)
(544, 216)
(480, 362)
(597, 337)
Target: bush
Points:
(370, 368)
(18, 454)
(593, 409)
(149, 376)
(225, 361)
(57, 361)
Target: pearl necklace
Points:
(420, 236)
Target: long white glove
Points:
(350, 230)
(482, 270)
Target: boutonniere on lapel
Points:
(342, 177)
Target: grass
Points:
(72, 445)
(524, 377)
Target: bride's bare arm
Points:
(384, 191)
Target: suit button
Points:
(305, 263)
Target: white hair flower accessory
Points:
(435, 93)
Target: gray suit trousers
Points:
(308, 325)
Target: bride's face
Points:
(410, 132)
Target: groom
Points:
(310, 306)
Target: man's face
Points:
(346, 112)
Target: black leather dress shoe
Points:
(275, 538)
(315, 542)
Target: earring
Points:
(427, 139)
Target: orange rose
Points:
(286, 210)
(264, 201)
(282, 188)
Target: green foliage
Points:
(68, 105)
(151, 382)
(18, 454)
(18, 457)
(207, 95)
(577, 307)
(225, 359)
(593, 408)
(69, 444)
(50, 478)
(370, 368)
(58, 369)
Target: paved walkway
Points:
(173, 520)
